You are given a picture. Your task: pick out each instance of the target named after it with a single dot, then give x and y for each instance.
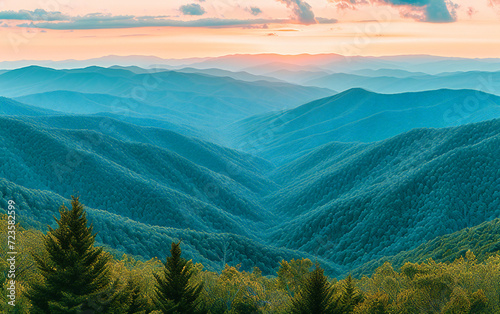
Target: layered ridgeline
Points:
(351, 203)
(180, 98)
(347, 179)
(392, 81)
(357, 115)
(150, 175)
(150, 186)
(10, 107)
(240, 75)
(344, 204)
(265, 64)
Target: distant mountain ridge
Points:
(334, 62)
(393, 81)
(11, 107)
(173, 96)
(356, 116)
(249, 171)
(241, 75)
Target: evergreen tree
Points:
(137, 303)
(350, 297)
(315, 296)
(73, 270)
(174, 293)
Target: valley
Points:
(248, 171)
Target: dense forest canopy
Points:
(212, 191)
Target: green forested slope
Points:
(37, 208)
(378, 199)
(483, 240)
(345, 204)
(140, 181)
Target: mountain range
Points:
(330, 62)
(247, 169)
(165, 95)
(357, 115)
(478, 80)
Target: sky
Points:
(83, 29)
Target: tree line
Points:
(68, 273)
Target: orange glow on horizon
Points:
(474, 39)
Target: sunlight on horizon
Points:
(370, 30)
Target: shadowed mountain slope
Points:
(140, 181)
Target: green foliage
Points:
(317, 296)
(233, 290)
(28, 241)
(466, 285)
(73, 271)
(482, 239)
(377, 303)
(137, 302)
(463, 286)
(291, 275)
(174, 292)
(350, 297)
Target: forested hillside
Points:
(248, 171)
(120, 234)
(358, 115)
(351, 204)
(483, 239)
(344, 203)
(148, 176)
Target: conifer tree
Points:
(137, 303)
(174, 293)
(73, 270)
(350, 297)
(315, 296)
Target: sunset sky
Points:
(82, 29)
